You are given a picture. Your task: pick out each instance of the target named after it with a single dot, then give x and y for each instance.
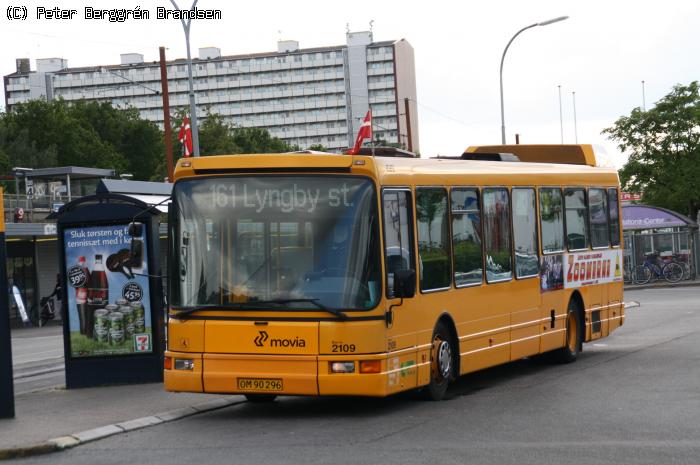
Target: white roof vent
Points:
(207, 53)
(50, 65)
(131, 58)
(286, 46)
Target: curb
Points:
(660, 285)
(95, 434)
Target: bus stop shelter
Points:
(655, 230)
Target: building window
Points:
(525, 233)
(466, 237)
(433, 234)
(551, 221)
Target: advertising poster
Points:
(551, 272)
(108, 291)
(593, 267)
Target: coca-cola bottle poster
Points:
(109, 307)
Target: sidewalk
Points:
(46, 411)
(80, 415)
(661, 284)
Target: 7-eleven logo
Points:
(142, 342)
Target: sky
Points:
(603, 52)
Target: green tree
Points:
(140, 142)
(258, 140)
(217, 137)
(664, 150)
(39, 134)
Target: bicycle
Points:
(654, 268)
(48, 310)
(683, 262)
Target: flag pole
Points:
(371, 131)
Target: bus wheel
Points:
(442, 364)
(260, 398)
(574, 335)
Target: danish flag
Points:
(365, 132)
(185, 137)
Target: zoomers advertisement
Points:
(108, 293)
(592, 267)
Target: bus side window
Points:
(613, 206)
(466, 237)
(576, 219)
(527, 262)
(598, 212)
(497, 235)
(433, 238)
(551, 220)
(398, 232)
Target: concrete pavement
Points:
(50, 418)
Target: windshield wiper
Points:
(315, 302)
(185, 312)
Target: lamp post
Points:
(503, 57)
(573, 96)
(193, 108)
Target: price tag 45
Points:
(132, 292)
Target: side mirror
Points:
(405, 283)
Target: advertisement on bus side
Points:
(592, 267)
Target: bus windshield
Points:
(298, 242)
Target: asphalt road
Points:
(633, 398)
(37, 358)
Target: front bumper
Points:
(300, 374)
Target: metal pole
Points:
(573, 94)
(167, 130)
(7, 393)
(644, 98)
(193, 108)
(503, 57)
(561, 118)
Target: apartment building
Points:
(303, 96)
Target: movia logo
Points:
(278, 342)
(260, 339)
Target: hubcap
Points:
(444, 358)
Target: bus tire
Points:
(442, 363)
(574, 335)
(260, 398)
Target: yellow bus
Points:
(327, 274)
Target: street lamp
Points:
(542, 23)
(193, 109)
